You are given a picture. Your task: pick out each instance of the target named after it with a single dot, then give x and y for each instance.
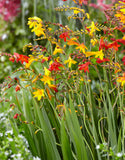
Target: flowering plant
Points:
(70, 93)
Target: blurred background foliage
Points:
(14, 32)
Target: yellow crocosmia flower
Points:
(81, 79)
(47, 72)
(57, 50)
(87, 15)
(47, 79)
(60, 105)
(120, 16)
(93, 41)
(98, 54)
(45, 58)
(70, 61)
(39, 93)
(30, 60)
(34, 21)
(38, 30)
(40, 56)
(57, 59)
(81, 47)
(122, 10)
(121, 79)
(93, 28)
(50, 29)
(50, 62)
(76, 11)
(36, 24)
(35, 79)
(123, 37)
(117, 68)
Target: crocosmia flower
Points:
(121, 79)
(19, 57)
(101, 61)
(15, 116)
(64, 36)
(55, 66)
(123, 60)
(39, 93)
(84, 67)
(17, 88)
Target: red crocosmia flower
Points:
(55, 66)
(64, 0)
(114, 45)
(17, 88)
(23, 58)
(43, 60)
(84, 67)
(15, 116)
(103, 44)
(49, 58)
(54, 87)
(101, 61)
(64, 35)
(20, 57)
(12, 59)
(87, 29)
(123, 60)
(120, 29)
(16, 79)
(17, 56)
(120, 41)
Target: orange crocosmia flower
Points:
(80, 2)
(72, 41)
(121, 79)
(48, 92)
(81, 47)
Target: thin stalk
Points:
(23, 14)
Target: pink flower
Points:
(102, 6)
(9, 9)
